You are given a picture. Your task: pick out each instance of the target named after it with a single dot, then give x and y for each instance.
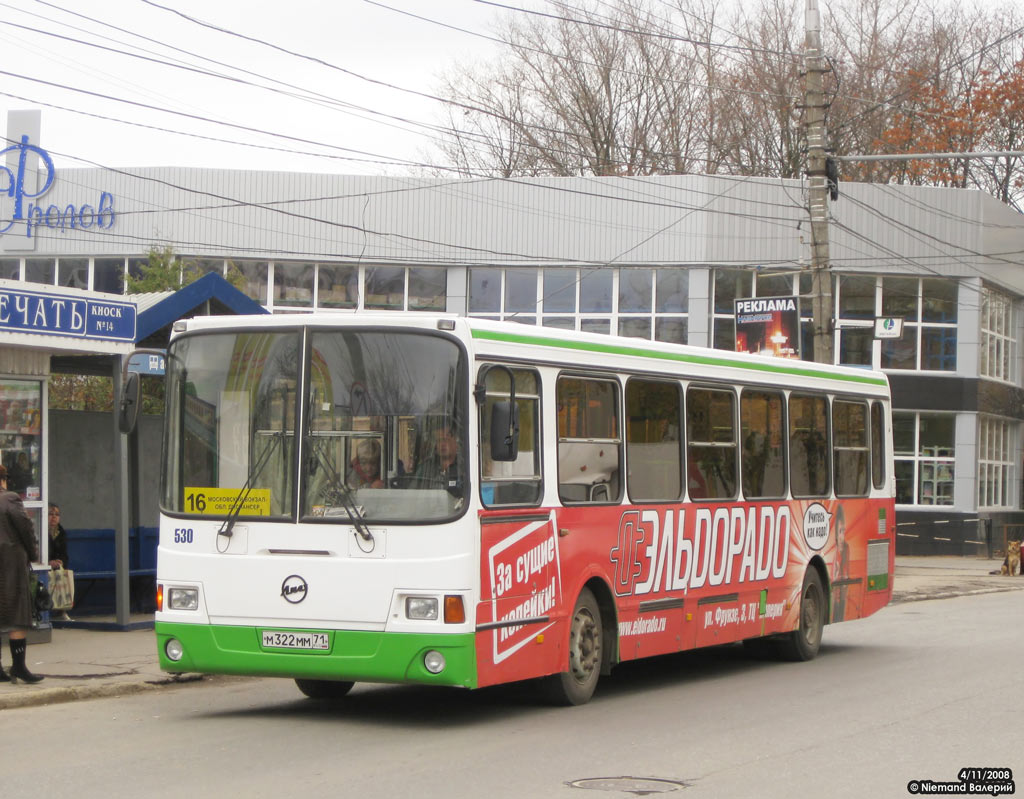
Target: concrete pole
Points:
(818, 192)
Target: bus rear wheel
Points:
(803, 642)
(586, 648)
(324, 689)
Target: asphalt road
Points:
(916, 692)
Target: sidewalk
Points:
(90, 663)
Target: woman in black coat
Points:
(18, 548)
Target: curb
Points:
(61, 694)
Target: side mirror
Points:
(129, 412)
(504, 431)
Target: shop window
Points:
(10, 269)
(73, 273)
(108, 275)
(21, 436)
(293, 284)
(672, 290)
(998, 347)
(484, 290)
(559, 290)
(924, 464)
(995, 462)
(857, 297)
(596, 290)
(671, 330)
(428, 288)
(385, 288)
(635, 327)
(254, 278)
(337, 286)
(520, 290)
(41, 270)
(635, 290)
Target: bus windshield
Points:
(381, 426)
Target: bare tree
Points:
(637, 87)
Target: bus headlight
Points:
(421, 607)
(183, 599)
(434, 661)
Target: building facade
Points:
(659, 258)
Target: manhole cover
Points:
(641, 786)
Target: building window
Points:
(108, 275)
(337, 286)
(928, 308)
(923, 452)
(40, 270)
(10, 268)
(995, 467)
(738, 284)
(997, 342)
(636, 302)
(254, 278)
(293, 284)
(73, 273)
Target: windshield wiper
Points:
(236, 507)
(339, 494)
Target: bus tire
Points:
(324, 689)
(803, 642)
(586, 642)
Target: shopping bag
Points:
(62, 588)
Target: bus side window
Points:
(517, 482)
(764, 455)
(711, 450)
(589, 443)
(877, 445)
(850, 448)
(653, 432)
(808, 446)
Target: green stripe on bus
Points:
(354, 655)
(701, 360)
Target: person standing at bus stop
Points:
(18, 548)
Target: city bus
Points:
(452, 501)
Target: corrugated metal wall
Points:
(626, 221)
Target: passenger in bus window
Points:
(441, 468)
(365, 466)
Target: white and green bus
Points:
(453, 501)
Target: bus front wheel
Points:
(576, 686)
(803, 642)
(324, 689)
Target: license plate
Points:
(282, 639)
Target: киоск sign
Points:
(61, 315)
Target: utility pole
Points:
(818, 192)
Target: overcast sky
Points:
(354, 35)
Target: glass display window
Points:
(21, 436)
